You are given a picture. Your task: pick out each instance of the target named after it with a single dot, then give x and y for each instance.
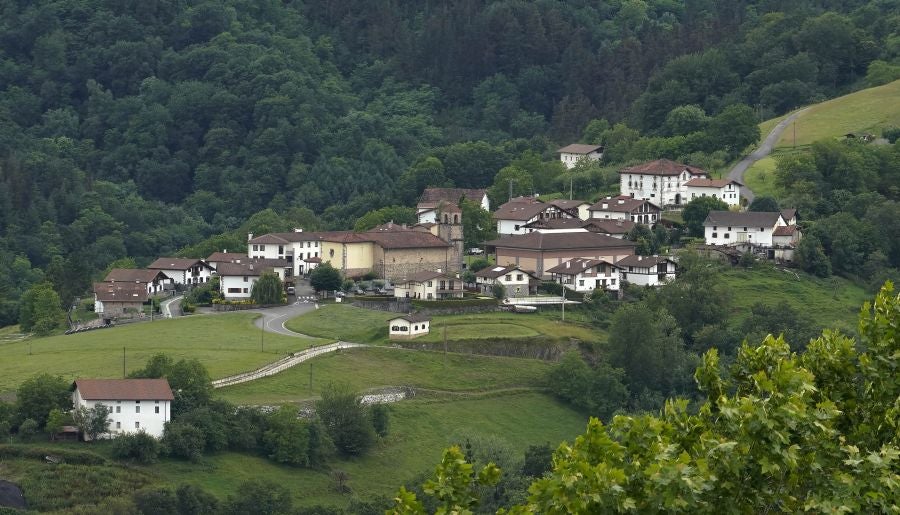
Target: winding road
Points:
(737, 173)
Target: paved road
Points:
(273, 319)
(171, 307)
(737, 173)
(283, 363)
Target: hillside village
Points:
(580, 245)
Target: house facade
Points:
(542, 251)
(514, 280)
(298, 247)
(513, 217)
(626, 208)
(136, 404)
(647, 270)
(236, 280)
(183, 271)
(570, 155)
(434, 285)
(407, 327)
(115, 299)
(586, 275)
(662, 182)
(750, 227)
(434, 202)
(726, 190)
(154, 280)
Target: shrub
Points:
(139, 447)
(184, 441)
(28, 429)
(381, 419)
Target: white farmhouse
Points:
(429, 286)
(513, 216)
(662, 182)
(570, 155)
(586, 275)
(726, 190)
(135, 404)
(647, 270)
(624, 207)
(515, 281)
(183, 271)
(154, 280)
(302, 250)
(751, 227)
(236, 280)
(407, 327)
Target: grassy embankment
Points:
(226, 344)
(419, 431)
(868, 110)
(352, 324)
(831, 303)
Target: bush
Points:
(892, 134)
(69, 456)
(346, 420)
(139, 447)
(184, 441)
(28, 429)
(381, 419)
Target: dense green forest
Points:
(136, 128)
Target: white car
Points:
(476, 251)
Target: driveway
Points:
(171, 307)
(737, 173)
(273, 319)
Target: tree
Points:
(92, 422)
(183, 440)
(396, 214)
(764, 203)
(287, 438)
(811, 258)
(498, 290)
(598, 390)
(478, 225)
(510, 180)
(28, 429)
(267, 289)
(263, 497)
(381, 419)
(734, 129)
(139, 447)
(40, 310)
(325, 278)
(346, 419)
(56, 419)
(810, 431)
(538, 460)
(38, 396)
(696, 211)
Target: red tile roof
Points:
(227, 257)
(576, 266)
(493, 272)
(137, 275)
(173, 263)
(559, 241)
(121, 292)
(784, 230)
(622, 204)
(406, 240)
(663, 167)
(608, 226)
(643, 261)
(124, 389)
(526, 208)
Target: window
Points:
(262, 248)
(612, 282)
(137, 406)
(429, 284)
(517, 227)
(518, 277)
(729, 228)
(715, 235)
(281, 249)
(118, 425)
(581, 282)
(137, 425)
(508, 277)
(330, 252)
(416, 328)
(745, 229)
(725, 236)
(246, 290)
(118, 409)
(395, 328)
(156, 409)
(234, 290)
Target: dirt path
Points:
(768, 144)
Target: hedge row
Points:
(69, 456)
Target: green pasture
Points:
(226, 344)
(370, 368)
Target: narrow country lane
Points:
(768, 144)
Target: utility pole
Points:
(511, 181)
(571, 179)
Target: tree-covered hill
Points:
(133, 128)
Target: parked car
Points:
(291, 290)
(476, 251)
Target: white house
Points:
(571, 154)
(183, 271)
(236, 280)
(302, 250)
(407, 327)
(726, 190)
(647, 270)
(154, 280)
(626, 208)
(135, 404)
(513, 216)
(585, 275)
(515, 280)
(662, 182)
(750, 227)
(429, 286)
(216, 258)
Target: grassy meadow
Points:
(368, 368)
(420, 430)
(831, 303)
(226, 344)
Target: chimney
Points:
(249, 236)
